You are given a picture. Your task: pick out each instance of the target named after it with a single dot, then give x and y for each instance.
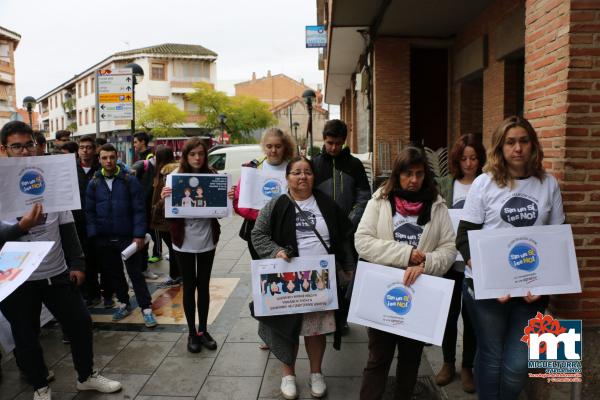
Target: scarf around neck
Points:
(413, 203)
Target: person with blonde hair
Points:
(514, 180)
(279, 147)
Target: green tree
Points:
(244, 114)
(161, 118)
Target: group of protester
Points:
(329, 209)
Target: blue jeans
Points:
(501, 358)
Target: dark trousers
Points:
(22, 310)
(195, 270)
(469, 341)
(109, 254)
(174, 270)
(382, 346)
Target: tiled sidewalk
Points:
(155, 365)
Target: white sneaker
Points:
(99, 383)
(42, 394)
(149, 274)
(317, 385)
(288, 387)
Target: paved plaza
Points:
(155, 365)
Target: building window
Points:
(87, 120)
(85, 87)
(4, 52)
(158, 72)
(93, 84)
(93, 113)
(157, 99)
(79, 90)
(62, 122)
(190, 107)
(51, 125)
(80, 118)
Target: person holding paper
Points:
(279, 148)
(54, 283)
(194, 244)
(303, 222)
(116, 218)
(515, 191)
(466, 160)
(405, 225)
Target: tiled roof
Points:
(171, 49)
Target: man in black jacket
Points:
(54, 283)
(341, 175)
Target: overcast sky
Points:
(61, 38)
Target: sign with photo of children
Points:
(198, 196)
(304, 284)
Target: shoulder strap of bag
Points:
(310, 224)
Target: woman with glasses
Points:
(286, 227)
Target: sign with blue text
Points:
(198, 196)
(258, 187)
(304, 284)
(316, 36)
(380, 300)
(49, 180)
(536, 259)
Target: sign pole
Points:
(97, 106)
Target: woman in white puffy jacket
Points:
(405, 225)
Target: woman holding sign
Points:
(279, 148)
(304, 222)
(467, 158)
(514, 181)
(405, 225)
(194, 242)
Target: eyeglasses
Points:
(86, 147)
(16, 147)
(298, 172)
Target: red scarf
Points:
(407, 208)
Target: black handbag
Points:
(246, 229)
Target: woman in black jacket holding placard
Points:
(283, 231)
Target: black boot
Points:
(207, 341)
(193, 345)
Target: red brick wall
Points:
(562, 100)
(391, 95)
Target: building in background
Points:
(284, 96)
(8, 96)
(170, 71)
(429, 71)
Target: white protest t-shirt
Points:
(274, 168)
(109, 182)
(48, 231)
(529, 203)
(308, 242)
(197, 236)
(459, 194)
(406, 229)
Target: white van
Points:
(230, 159)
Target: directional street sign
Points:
(115, 97)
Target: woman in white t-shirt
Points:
(194, 243)
(515, 191)
(466, 160)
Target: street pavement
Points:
(155, 365)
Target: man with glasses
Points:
(54, 283)
(62, 137)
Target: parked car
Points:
(230, 159)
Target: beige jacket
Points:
(374, 238)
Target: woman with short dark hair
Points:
(405, 225)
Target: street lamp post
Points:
(138, 76)
(222, 122)
(28, 103)
(296, 125)
(309, 96)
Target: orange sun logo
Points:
(542, 324)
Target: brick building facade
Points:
(8, 95)
(443, 68)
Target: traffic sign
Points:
(115, 94)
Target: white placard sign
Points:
(381, 301)
(539, 259)
(18, 260)
(258, 187)
(455, 216)
(304, 284)
(198, 196)
(49, 180)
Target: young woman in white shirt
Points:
(194, 243)
(514, 179)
